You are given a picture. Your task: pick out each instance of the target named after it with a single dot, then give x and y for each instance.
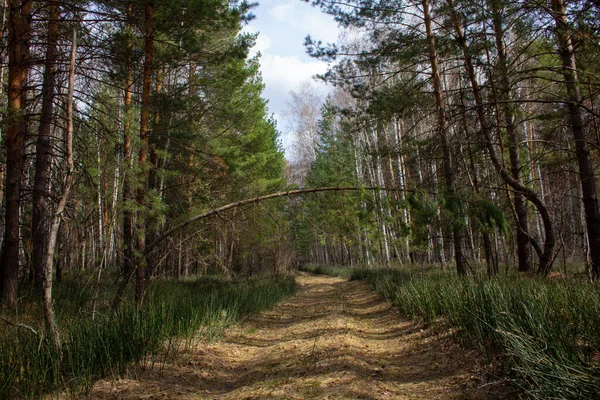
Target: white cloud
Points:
(286, 137)
(284, 64)
(319, 26)
(281, 75)
(284, 73)
(263, 43)
(309, 21)
(282, 12)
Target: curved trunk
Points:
(547, 255)
(523, 251)
(60, 208)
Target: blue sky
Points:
(283, 25)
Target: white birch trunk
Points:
(48, 270)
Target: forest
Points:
(454, 161)
(483, 115)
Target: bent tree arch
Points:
(258, 199)
(215, 211)
(139, 257)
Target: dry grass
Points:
(335, 340)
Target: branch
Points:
(18, 325)
(288, 193)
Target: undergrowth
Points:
(547, 332)
(330, 270)
(110, 343)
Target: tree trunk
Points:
(2, 170)
(127, 269)
(154, 141)
(490, 260)
(453, 202)
(547, 255)
(18, 37)
(62, 203)
(258, 199)
(523, 250)
(41, 186)
(141, 259)
(586, 168)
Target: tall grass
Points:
(108, 345)
(547, 332)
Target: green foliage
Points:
(487, 215)
(397, 100)
(423, 210)
(213, 138)
(111, 343)
(548, 332)
(331, 217)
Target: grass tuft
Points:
(547, 332)
(111, 343)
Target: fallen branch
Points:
(288, 193)
(19, 325)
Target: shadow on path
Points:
(334, 340)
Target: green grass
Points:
(546, 332)
(113, 342)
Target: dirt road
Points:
(334, 340)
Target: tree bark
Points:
(19, 25)
(522, 233)
(43, 159)
(453, 201)
(490, 260)
(62, 203)
(2, 170)
(584, 161)
(127, 269)
(140, 257)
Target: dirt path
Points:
(335, 340)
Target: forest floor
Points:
(334, 340)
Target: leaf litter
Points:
(334, 340)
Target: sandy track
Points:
(334, 340)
